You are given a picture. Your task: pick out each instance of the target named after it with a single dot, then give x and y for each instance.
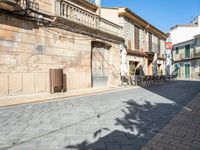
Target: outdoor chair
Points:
(151, 80)
(143, 81)
(148, 80)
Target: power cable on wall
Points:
(66, 37)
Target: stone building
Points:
(38, 35)
(144, 41)
(186, 49)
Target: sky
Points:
(163, 14)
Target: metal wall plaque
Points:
(39, 49)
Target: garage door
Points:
(100, 61)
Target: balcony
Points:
(182, 56)
(8, 4)
(196, 55)
(19, 6)
(81, 16)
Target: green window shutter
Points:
(187, 70)
(177, 50)
(187, 51)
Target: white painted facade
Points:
(181, 33)
(193, 60)
(111, 15)
(182, 36)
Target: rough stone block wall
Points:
(128, 31)
(25, 71)
(114, 73)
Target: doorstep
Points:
(45, 97)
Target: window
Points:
(187, 51)
(159, 46)
(129, 44)
(150, 42)
(187, 70)
(177, 50)
(137, 39)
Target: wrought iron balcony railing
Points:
(76, 14)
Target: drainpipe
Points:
(98, 3)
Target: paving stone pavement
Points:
(182, 132)
(120, 120)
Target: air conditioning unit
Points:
(8, 4)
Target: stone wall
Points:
(25, 70)
(114, 65)
(128, 31)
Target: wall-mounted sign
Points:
(169, 45)
(168, 51)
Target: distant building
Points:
(144, 41)
(185, 32)
(186, 49)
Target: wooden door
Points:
(187, 70)
(100, 58)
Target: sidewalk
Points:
(182, 133)
(24, 99)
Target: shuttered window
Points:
(159, 48)
(187, 51)
(150, 42)
(177, 50)
(129, 44)
(137, 40)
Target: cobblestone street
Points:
(160, 117)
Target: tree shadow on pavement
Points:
(140, 122)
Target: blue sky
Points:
(161, 13)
